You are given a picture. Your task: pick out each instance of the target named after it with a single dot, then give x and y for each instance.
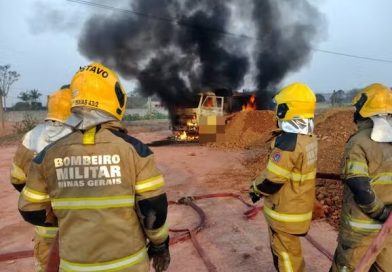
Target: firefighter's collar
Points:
(86, 118)
(382, 129)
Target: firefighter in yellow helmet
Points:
(103, 185)
(367, 176)
(59, 109)
(288, 182)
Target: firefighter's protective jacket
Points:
(20, 166)
(107, 194)
(33, 142)
(365, 161)
(288, 182)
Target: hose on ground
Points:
(16, 255)
(249, 214)
(190, 233)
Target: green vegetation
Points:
(148, 116)
(320, 98)
(29, 101)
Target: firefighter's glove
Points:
(160, 256)
(254, 195)
(383, 215)
(377, 210)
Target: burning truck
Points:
(205, 120)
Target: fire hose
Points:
(191, 233)
(185, 233)
(16, 255)
(250, 214)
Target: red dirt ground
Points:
(231, 242)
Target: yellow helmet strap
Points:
(281, 110)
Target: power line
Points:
(351, 55)
(216, 30)
(158, 18)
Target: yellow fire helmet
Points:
(59, 105)
(295, 101)
(373, 100)
(97, 87)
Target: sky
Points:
(46, 55)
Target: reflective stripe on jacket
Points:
(114, 265)
(46, 232)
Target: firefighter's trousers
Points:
(286, 251)
(348, 255)
(42, 246)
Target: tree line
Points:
(29, 100)
(338, 97)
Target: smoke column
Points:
(175, 48)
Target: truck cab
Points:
(187, 120)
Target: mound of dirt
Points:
(249, 128)
(329, 194)
(333, 128)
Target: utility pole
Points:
(149, 105)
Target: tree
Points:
(29, 100)
(21, 106)
(337, 97)
(7, 78)
(34, 95)
(24, 96)
(320, 98)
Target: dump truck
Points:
(203, 123)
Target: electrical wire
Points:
(220, 31)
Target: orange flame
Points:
(183, 136)
(250, 105)
(209, 103)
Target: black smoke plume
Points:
(175, 48)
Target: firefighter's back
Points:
(92, 188)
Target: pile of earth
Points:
(329, 197)
(333, 129)
(248, 129)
